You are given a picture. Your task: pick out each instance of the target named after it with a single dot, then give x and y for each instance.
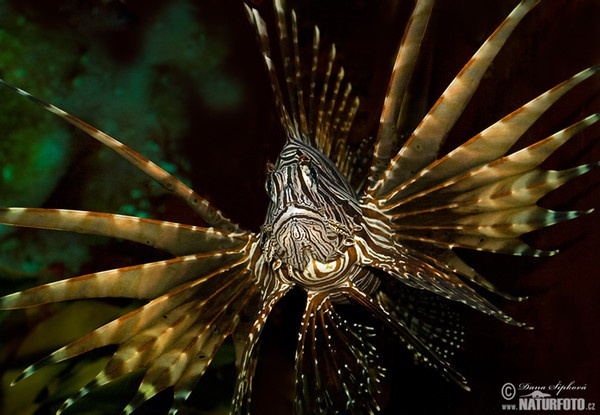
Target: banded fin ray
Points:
(423, 145)
(414, 342)
(490, 144)
(249, 321)
(423, 272)
(507, 223)
(175, 238)
(127, 326)
(291, 69)
(457, 239)
(430, 317)
(335, 357)
(491, 217)
(145, 281)
(219, 293)
(246, 342)
(452, 263)
(523, 190)
(325, 120)
(177, 347)
(260, 28)
(391, 120)
(141, 349)
(199, 204)
(503, 169)
(193, 351)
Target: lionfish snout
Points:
(302, 223)
(298, 228)
(300, 234)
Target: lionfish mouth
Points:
(301, 234)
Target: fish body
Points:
(384, 242)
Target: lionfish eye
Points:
(269, 185)
(270, 188)
(309, 173)
(264, 237)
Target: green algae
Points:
(31, 167)
(35, 150)
(144, 101)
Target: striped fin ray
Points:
(451, 262)
(190, 355)
(341, 124)
(199, 204)
(421, 271)
(336, 358)
(175, 238)
(518, 163)
(291, 69)
(498, 211)
(313, 79)
(327, 122)
(335, 114)
(431, 318)
(337, 148)
(319, 133)
(298, 75)
(326, 119)
(413, 342)
(506, 223)
(178, 346)
(390, 120)
(489, 145)
(246, 341)
(457, 239)
(423, 145)
(145, 281)
(521, 190)
(259, 299)
(496, 231)
(328, 106)
(138, 320)
(215, 291)
(262, 35)
(141, 349)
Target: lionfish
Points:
(382, 241)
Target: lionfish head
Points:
(311, 211)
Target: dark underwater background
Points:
(182, 82)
